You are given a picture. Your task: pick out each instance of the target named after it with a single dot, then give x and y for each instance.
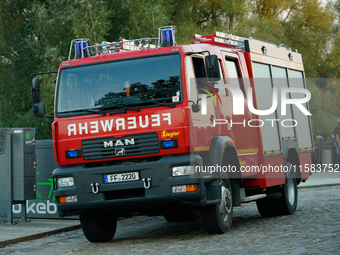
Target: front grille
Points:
(126, 146)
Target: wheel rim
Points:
(290, 190)
(226, 204)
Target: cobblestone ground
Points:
(313, 229)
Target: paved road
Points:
(313, 229)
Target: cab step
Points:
(252, 198)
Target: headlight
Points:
(183, 170)
(68, 199)
(65, 182)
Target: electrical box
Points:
(17, 165)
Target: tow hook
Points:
(95, 187)
(147, 183)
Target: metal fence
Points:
(325, 153)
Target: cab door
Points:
(200, 94)
(242, 129)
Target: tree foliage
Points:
(35, 36)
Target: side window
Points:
(222, 92)
(201, 76)
(233, 73)
(199, 68)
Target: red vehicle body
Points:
(163, 138)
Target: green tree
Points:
(303, 25)
(324, 113)
(37, 39)
(35, 36)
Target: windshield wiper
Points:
(115, 107)
(99, 111)
(160, 103)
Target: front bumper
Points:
(128, 195)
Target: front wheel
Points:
(97, 226)
(217, 218)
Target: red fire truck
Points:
(187, 131)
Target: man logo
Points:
(120, 152)
(119, 143)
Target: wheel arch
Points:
(292, 156)
(228, 156)
(224, 153)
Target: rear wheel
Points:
(265, 207)
(285, 204)
(217, 218)
(97, 226)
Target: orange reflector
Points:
(192, 187)
(62, 200)
(230, 142)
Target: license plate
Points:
(123, 177)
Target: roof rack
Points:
(83, 50)
(166, 38)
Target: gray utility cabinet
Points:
(17, 166)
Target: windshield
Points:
(142, 81)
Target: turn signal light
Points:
(68, 199)
(184, 188)
(192, 187)
(62, 200)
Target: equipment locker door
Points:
(264, 95)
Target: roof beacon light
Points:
(81, 47)
(167, 36)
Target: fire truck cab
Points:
(187, 131)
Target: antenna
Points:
(154, 28)
(94, 33)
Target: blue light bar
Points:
(169, 143)
(73, 153)
(78, 49)
(167, 39)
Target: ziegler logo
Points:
(119, 143)
(169, 134)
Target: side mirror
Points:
(196, 107)
(38, 109)
(212, 66)
(36, 90)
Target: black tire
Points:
(265, 207)
(217, 218)
(174, 217)
(98, 227)
(286, 204)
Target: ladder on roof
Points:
(223, 39)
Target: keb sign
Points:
(238, 100)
